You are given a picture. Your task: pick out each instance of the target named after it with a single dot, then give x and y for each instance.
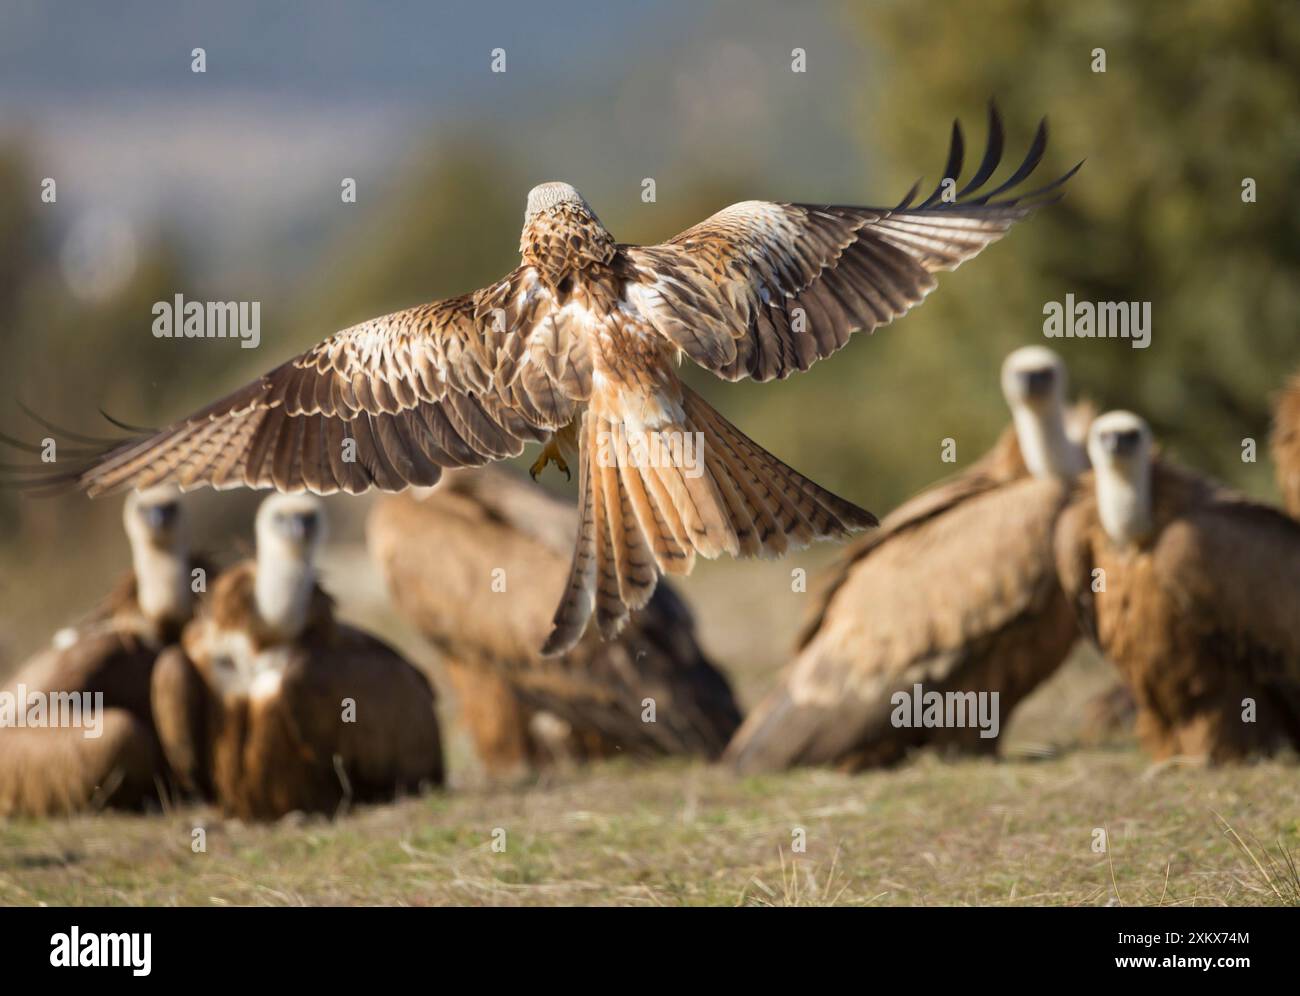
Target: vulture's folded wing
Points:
(965, 601)
(1234, 564)
(1001, 465)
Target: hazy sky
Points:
(237, 160)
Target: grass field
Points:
(1021, 830)
(681, 833)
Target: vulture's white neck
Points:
(1124, 502)
(283, 590)
(162, 581)
(1047, 448)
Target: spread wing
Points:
(764, 289)
(387, 403)
(992, 618)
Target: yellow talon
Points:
(550, 454)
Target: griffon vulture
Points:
(475, 564)
(1286, 445)
(1192, 590)
(47, 769)
(274, 706)
(956, 593)
(578, 348)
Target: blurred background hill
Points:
(226, 186)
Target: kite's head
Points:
(290, 527)
(561, 233)
(551, 195)
(1033, 377)
(153, 518)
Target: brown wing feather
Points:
(763, 289)
(992, 618)
(384, 404)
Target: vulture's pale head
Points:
(1120, 442)
(552, 194)
(1034, 382)
(1034, 377)
(290, 528)
(157, 528)
(154, 520)
(1119, 445)
(290, 533)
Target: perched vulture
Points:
(956, 593)
(1192, 590)
(1286, 445)
(270, 705)
(475, 564)
(577, 348)
(58, 769)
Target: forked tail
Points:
(649, 500)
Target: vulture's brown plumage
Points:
(1193, 591)
(475, 564)
(111, 652)
(1286, 445)
(271, 705)
(956, 592)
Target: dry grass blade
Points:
(1280, 874)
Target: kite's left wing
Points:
(387, 403)
(762, 289)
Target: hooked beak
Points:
(1120, 444)
(1036, 383)
(159, 517)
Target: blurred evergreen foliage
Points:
(1196, 97)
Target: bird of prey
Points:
(1191, 590)
(111, 652)
(270, 705)
(1286, 444)
(577, 349)
(475, 564)
(993, 618)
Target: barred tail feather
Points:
(579, 598)
(786, 507)
(640, 518)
